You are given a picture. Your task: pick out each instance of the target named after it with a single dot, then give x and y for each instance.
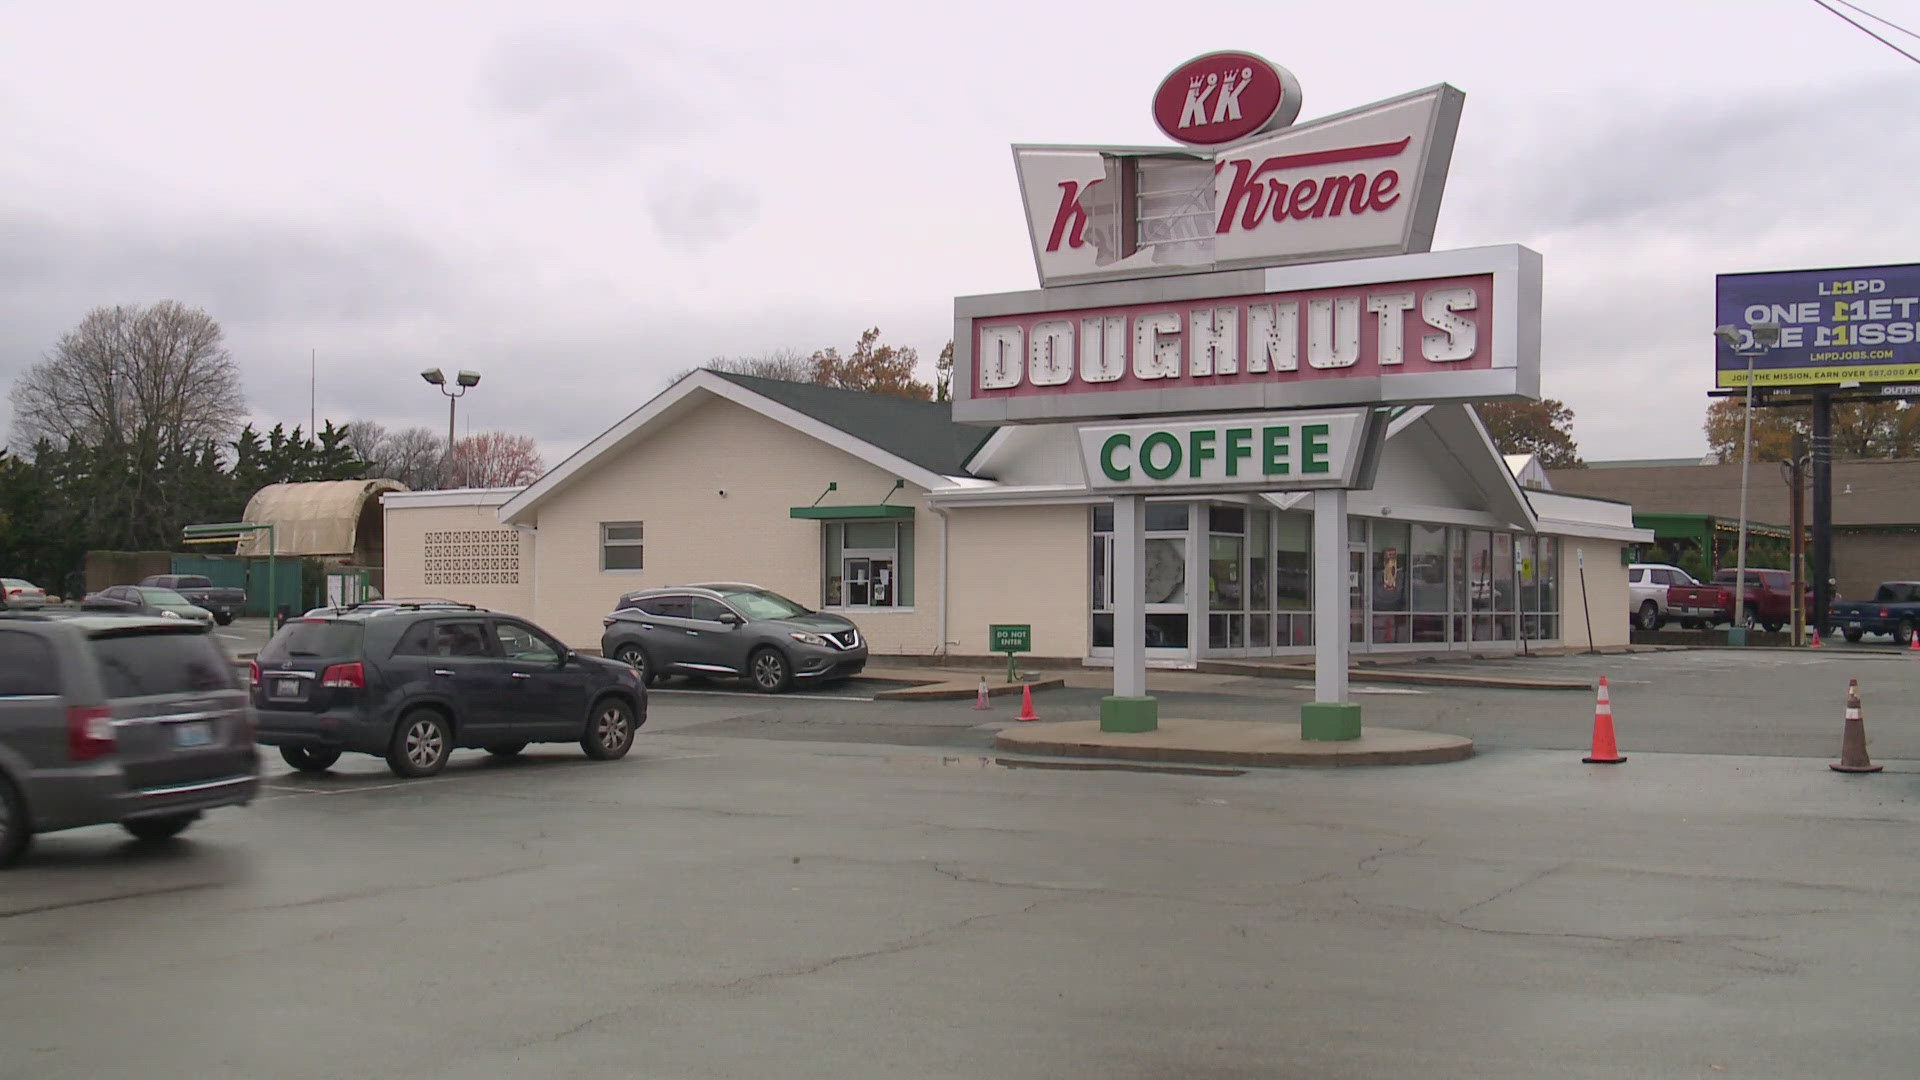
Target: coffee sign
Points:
(1285, 451)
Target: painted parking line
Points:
(1353, 689)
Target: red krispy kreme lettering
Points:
(1254, 198)
(1071, 214)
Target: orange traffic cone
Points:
(1853, 736)
(1913, 641)
(980, 699)
(1815, 643)
(1604, 751)
(1026, 703)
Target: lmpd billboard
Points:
(1849, 325)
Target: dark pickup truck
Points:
(1769, 600)
(1894, 610)
(225, 603)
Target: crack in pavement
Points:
(63, 905)
(907, 944)
(1516, 886)
(389, 890)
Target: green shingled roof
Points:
(922, 432)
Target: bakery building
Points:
(926, 531)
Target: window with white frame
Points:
(622, 544)
(867, 564)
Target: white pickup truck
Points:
(1647, 592)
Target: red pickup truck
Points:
(1769, 600)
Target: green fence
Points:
(290, 589)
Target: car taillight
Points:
(1884, 613)
(345, 677)
(253, 674)
(89, 732)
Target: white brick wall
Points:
(1021, 564)
(407, 529)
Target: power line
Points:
(1843, 16)
(1879, 18)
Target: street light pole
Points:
(464, 381)
(1759, 338)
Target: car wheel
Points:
(635, 657)
(160, 828)
(1649, 616)
(1773, 627)
(1854, 636)
(223, 620)
(507, 750)
(309, 760)
(609, 730)
(1903, 633)
(770, 672)
(421, 744)
(16, 827)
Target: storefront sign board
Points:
(1441, 326)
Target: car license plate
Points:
(286, 689)
(1853, 626)
(198, 733)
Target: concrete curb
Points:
(1234, 742)
(958, 690)
(1405, 678)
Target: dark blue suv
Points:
(410, 684)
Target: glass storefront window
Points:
(1259, 560)
(1550, 577)
(1526, 559)
(1480, 574)
(1226, 519)
(1164, 631)
(1224, 584)
(1392, 540)
(1503, 592)
(1103, 518)
(1166, 570)
(1293, 562)
(1166, 517)
(1427, 570)
(1458, 572)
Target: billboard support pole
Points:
(1822, 506)
(1739, 633)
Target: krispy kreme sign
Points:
(1360, 183)
(1455, 325)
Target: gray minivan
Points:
(114, 719)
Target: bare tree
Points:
(414, 456)
(787, 365)
(496, 459)
(156, 380)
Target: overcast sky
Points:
(581, 198)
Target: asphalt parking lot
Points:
(808, 886)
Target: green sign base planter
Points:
(1736, 635)
(1129, 714)
(1329, 721)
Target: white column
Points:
(1330, 597)
(1129, 596)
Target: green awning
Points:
(851, 513)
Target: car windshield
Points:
(163, 597)
(761, 604)
(192, 583)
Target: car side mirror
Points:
(730, 619)
(566, 657)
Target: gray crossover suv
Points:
(731, 630)
(115, 719)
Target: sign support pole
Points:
(1822, 506)
(1129, 708)
(1330, 717)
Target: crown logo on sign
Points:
(1196, 82)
